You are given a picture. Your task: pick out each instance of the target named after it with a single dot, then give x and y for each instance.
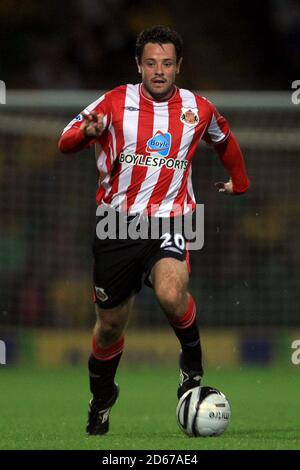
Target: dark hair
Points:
(158, 35)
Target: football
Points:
(203, 411)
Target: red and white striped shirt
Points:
(145, 152)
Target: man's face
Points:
(159, 68)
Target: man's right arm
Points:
(82, 133)
(84, 130)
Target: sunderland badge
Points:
(189, 116)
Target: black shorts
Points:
(122, 265)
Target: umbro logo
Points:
(131, 108)
(184, 377)
(103, 415)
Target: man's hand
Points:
(226, 188)
(92, 125)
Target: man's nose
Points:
(159, 69)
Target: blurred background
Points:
(57, 57)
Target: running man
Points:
(145, 136)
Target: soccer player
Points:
(145, 136)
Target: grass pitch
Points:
(47, 409)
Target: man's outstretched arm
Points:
(232, 159)
(81, 136)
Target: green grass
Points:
(46, 409)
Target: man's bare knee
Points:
(171, 297)
(111, 324)
(174, 303)
(170, 281)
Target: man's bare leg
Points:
(170, 280)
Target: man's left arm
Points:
(224, 142)
(232, 159)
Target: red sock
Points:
(187, 318)
(186, 330)
(105, 354)
(103, 364)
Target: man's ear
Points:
(138, 65)
(179, 65)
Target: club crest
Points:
(189, 116)
(101, 294)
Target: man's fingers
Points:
(220, 187)
(92, 116)
(100, 117)
(225, 188)
(93, 123)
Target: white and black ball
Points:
(203, 411)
